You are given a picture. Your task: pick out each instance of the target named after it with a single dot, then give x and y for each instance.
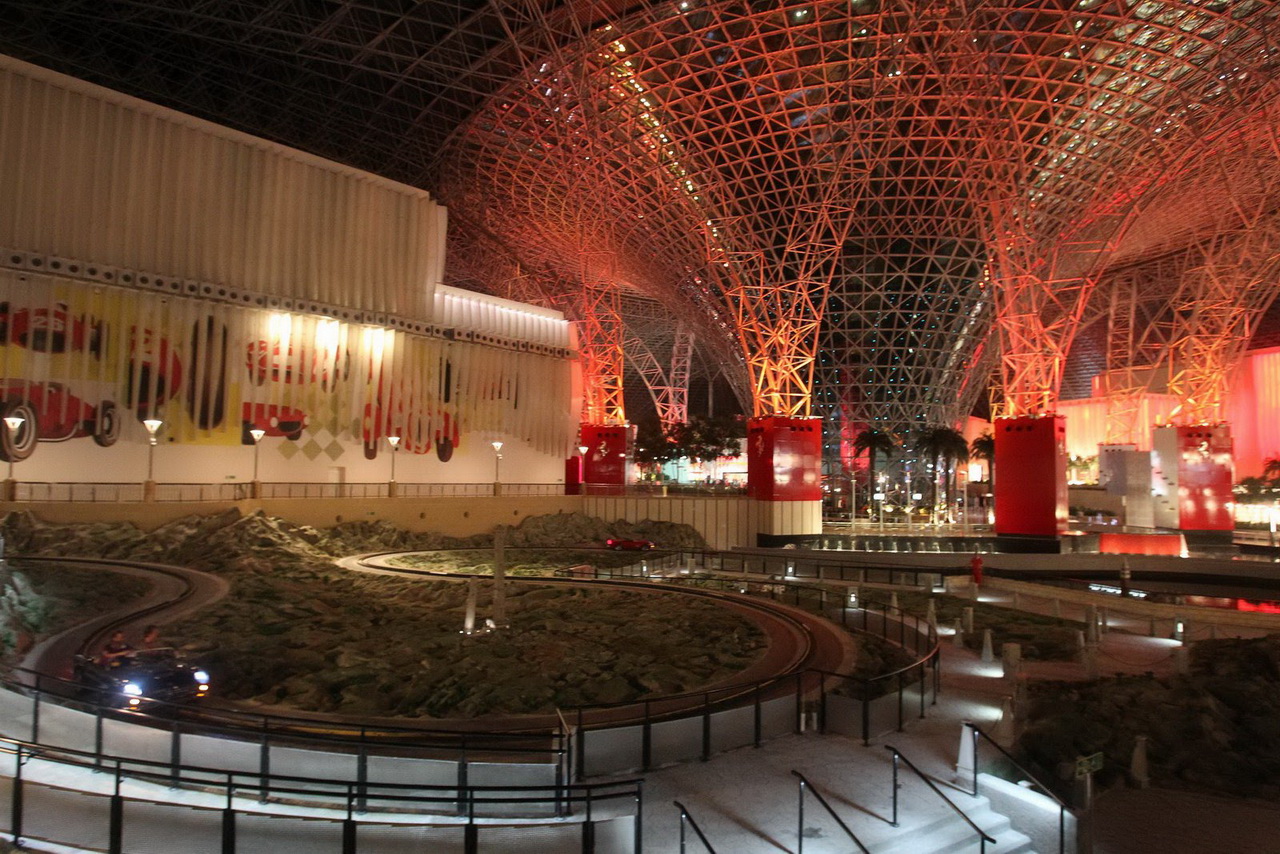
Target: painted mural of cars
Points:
(50, 413)
(273, 420)
(270, 361)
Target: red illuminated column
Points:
(604, 465)
(1031, 476)
(784, 474)
(1191, 478)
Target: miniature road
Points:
(175, 592)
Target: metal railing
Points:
(687, 818)
(75, 492)
(548, 746)
(805, 784)
(38, 491)
(1062, 807)
(983, 838)
(412, 805)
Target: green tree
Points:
(1252, 486)
(874, 442)
(654, 447)
(705, 439)
(946, 448)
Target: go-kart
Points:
(140, 677)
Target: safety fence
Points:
(62, 714)
(118, 804)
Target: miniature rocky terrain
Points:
(1043, 638)
(1217, 728)
(298, 632)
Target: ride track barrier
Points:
(58, 718)
(221, 809)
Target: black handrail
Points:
(804, 783)
(388, 795)
(897, 754)
(686, 817)
(1062, 806)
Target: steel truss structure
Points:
(843, 200)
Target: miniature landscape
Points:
(299, 633)
(1043, 638)
(1215, 729)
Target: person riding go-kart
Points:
(128, 678)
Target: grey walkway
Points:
(746, 801)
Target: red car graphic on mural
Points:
(272, 420)
(50, 413)
(55, 330)
(155, 371)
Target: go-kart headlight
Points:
(133, 689)
(201, 677)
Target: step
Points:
(952, 835)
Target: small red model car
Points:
(628, 545)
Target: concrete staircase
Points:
(944, 834)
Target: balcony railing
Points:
(35, 491)
(39, 491)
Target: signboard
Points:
(1086, 765)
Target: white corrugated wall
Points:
(91, 175)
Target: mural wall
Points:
(77, 359)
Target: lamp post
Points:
(255, 488)
(497, 468)
(149, 485)
(879, 497)
(13, 423)
(582, 469)
(394, 442)
(853, 499)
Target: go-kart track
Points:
(443, 779)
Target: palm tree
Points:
(984, 448)
(873, 441)
(1271, 468)
(946, 447)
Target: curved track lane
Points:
(176, 591)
